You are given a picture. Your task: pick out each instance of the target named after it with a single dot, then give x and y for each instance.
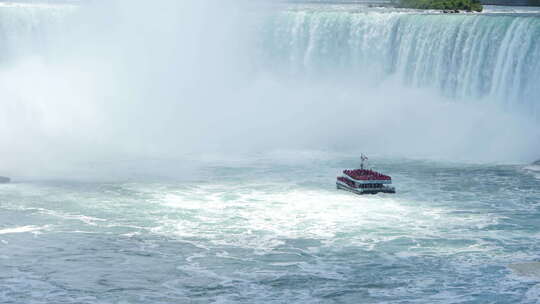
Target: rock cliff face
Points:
(4, 180)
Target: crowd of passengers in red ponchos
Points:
(362, 174)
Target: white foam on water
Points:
(534, 170)
(23, 229)
(263, 219)
(89, 220)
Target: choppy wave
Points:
(21, 229)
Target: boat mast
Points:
(363, 158)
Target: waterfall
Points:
(27, 29)
(466, 56)
(482, 57)
(132, 80)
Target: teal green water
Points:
(274, 230)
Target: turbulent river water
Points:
(274, 229)
(270, 227)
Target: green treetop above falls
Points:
(447, 5)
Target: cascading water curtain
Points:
(481, 57)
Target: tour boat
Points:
(364, 181)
